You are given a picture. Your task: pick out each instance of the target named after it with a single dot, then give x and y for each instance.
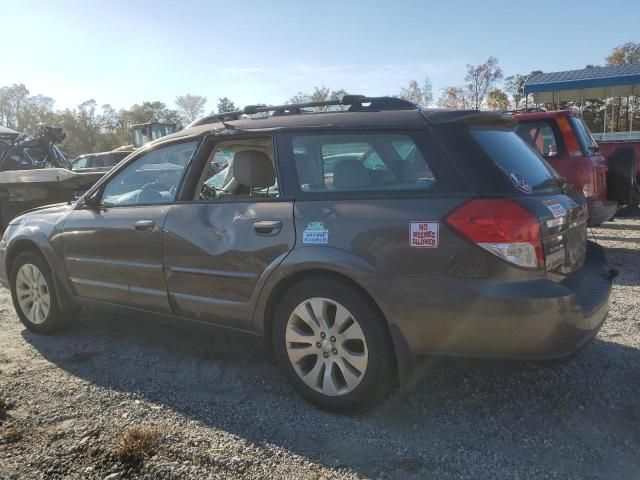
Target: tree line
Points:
(93, 128)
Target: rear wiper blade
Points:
(560, 182)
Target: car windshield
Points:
(515, 157)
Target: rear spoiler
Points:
(439, 117)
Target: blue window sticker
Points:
(315, 234)
(520, 182)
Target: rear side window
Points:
(541, 135)
(515, 157)
(361, 162)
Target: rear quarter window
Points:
(511, 154)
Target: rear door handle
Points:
(144, 225)
(268, 227)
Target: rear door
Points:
(379, 195)
(220, 245)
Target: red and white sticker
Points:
(423, 234)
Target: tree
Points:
(514, 86)
(454, 98)
(497, 100)
(190, 107)
(422, 96)
(624, 54)
(13, 99)
(225, 105)
(481, 79)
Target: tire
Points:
(34, 294)
(621, 176)
(345, 334)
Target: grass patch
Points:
(137, 444)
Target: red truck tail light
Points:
(503, 228)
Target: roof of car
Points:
(384, 118)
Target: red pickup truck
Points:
(564, 139)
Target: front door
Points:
(221, 245)
(113, 251)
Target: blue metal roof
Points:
(585, 78)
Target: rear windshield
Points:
(587, 143)
(515, 157)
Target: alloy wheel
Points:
(33, 293)
(326, 346)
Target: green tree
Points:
(497, 100)
(226, 105)
(514, 86)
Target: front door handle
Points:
(268, 227)
(144, 225)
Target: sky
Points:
(125, 52)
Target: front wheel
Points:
(34, 295)
(333, 346)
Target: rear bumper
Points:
(600, 211)
(535, 319)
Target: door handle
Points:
(268, 227)
(144, 225)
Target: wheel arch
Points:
(21, 245)
(402, 355)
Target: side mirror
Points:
(92, 201)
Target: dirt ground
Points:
(210, 404)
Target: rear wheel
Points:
(34, 295)
(333, 346)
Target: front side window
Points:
(151, 179)
(360, 162)
(227, 178)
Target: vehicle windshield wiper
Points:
(560, 182)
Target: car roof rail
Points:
(356, 103)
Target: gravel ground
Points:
(216, 406)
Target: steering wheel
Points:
(150, 192)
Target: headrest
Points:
(350, 174)
(253, 169)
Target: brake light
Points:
(501, 227)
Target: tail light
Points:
(501, 227)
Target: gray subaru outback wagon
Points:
(353, 241)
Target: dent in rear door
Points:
(216, 257)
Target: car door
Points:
(221, 245)
(113, 247)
